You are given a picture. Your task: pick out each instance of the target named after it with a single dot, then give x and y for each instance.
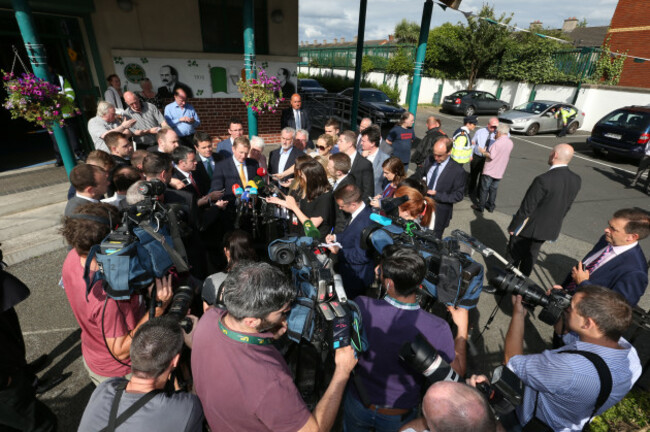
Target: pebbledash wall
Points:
(594, 100)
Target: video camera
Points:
(322, 314)
(420, 355)
(504, 393)
(452, 277)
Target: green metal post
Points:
(357, 64)
(38, 59)
(249, 58)
(419, 59)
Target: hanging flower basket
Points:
(36, 100)
(261, 94)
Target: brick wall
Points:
(632, 14)
(216, 113)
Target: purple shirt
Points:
(496, 165)
(389, 381)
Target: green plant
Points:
(630, 414)
(37, 100)
(391, 92)
(400, 64)
(367, 66)
(608, 67)
(261, 94)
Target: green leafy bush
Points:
(630, 414)
(336, 84)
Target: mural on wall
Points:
(199, 78)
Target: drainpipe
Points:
(249, 58)
(419, 59)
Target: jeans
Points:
(488, 192)
(358, 418)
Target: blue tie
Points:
(434, 175)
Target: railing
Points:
(345, 57)
(580, 62)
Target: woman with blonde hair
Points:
(418, 208)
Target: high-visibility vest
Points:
(69, 93)
(566, 113)
(461, 150)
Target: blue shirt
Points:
(483, 138)
(173, 112)
(401, 139)
(568, 384)
(440, 170)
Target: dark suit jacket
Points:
(188, 187)
(341, 218)
(378, 172)
(450, 189)
(226, 175)
(74, 203)
(288, 120)
(274, 159)
(355, 265)
(201, 176)
(362, 171)
(119, 161)
(626, 274)
(224, 148)
(192, 240)
(545, 204)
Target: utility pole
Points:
(249, 57)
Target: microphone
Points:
(261, 172)
(237, 190)
(381, 220)
(251, 184)
(311, 230)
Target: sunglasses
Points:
(321, 148)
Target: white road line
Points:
(550, 148)
(37, 332)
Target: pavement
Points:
(32, 214)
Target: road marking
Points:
(37, 332)
(551, 148)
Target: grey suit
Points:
(74, 203)
(378, 171)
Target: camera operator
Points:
(106, 325)
(155, 353)
(562, 389)
(391, 387)
(242, 380)
(450, 407)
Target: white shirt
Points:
(354, 155)
(557, 166)
(297, 113)
(371, 157)
(440, 170)
(284, 157)
(237, 164)
(338, 181)
(616, 251)
(357, 211)
(93, 200)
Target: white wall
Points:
(594, 101)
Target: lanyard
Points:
(398, 304)
(239, 337)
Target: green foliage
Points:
(407, 32)
(400, 64)
(630, 414)
(608, 68)
(391, 92)
(445, 55)
(378, 62)
(582, 23)
(367, 66)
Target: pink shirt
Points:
(120, 317)
(499, 151)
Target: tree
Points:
(445, 54)
(608, 67)
(484, 42)
(407, 33)
(400, 64)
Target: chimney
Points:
(391, 38)
(354, 39)
(342, 40)
(536, 25)
(324, 41)
(315, 42)
(336, 40)
(569, 25)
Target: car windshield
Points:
(635, 121)
(533, 107)
(374, 96)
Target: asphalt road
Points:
(49, 326)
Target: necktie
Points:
(592, 266)
(194, 184)
(434, 175)
(298, 120)
(242, 176)
(208, 167)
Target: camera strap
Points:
(113, 420)
(245, 338)
(177, 258)
(605, 377)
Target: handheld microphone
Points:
(237, 190)
(261, 172)
(251, 184)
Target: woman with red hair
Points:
(418, 208)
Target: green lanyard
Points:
(253, 340)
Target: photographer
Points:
(107, 326)
(563, 390)
(155, 353)
(391, 387)
(242, 380)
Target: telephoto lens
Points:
(424, 358)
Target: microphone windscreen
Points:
(381, 220)
(261, 172)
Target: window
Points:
(222, 26)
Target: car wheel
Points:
(502, 109)
(597, 152)
(573, 127)
(532, 129)
(469, 111)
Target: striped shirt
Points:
(568, 384)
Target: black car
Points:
(470, 102)
(310, 86)
(373, 103)
(624, 132)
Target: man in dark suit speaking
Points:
(543, 209)
(283, 158)
(617, 261)
(295, 117)
(445, 180)
(237, 169)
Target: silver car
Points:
(539, 116)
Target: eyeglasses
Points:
(321, 148)
(492, 127)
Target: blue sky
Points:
(329, 19)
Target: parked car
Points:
(470, 102)
(539, 116)
(624, 131)
(375, 104)
(310, 86)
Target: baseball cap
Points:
(470, 119)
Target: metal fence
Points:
(579, 62)
(345, 57)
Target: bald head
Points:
(562, 154)
(132, 100)
(432, 122)
(451, 406)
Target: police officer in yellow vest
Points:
(461, 151)
(567, 113)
